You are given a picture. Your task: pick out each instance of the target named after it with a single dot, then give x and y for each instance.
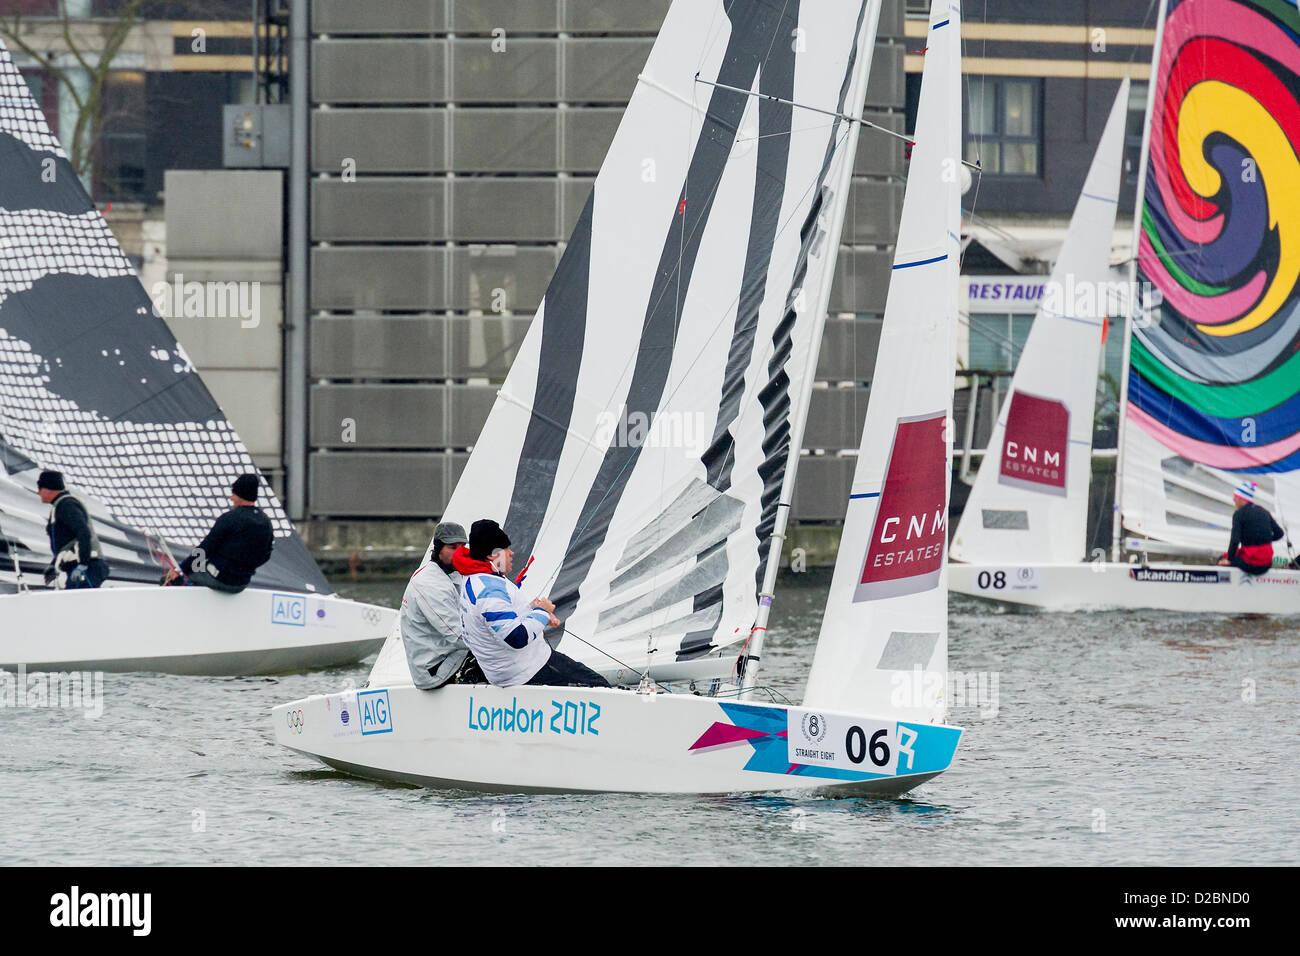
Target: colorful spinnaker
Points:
(1213, 392)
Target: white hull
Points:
(1194, 588)
(575, 740)
(186, 630)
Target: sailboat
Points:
(1210, 390)
(862, 728)
(1029, 504)
(94, 385)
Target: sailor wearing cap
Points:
(73, 541)
(239, 543)
(430, 616)
(1253, 533)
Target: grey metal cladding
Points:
(378, 416)
(574, 193)
(378, 485)
(603, 71)
(861, 280)
(822, 491)
(389, 18)
(880, 154)
(369, 277)
(389, 346)
(615, 16)
(401, 140)
(505, 209)
(525, 72)
(587, 136)
(470, 405)
(384, 210)
(885, 84)
(520, 273)
(848, 350)
(504, 140)
(835, 418)
(378, 71)
(484, 16)
(224, 214)
(874, 211)
(485, 346)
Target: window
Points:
(1137, 117)
(996, 340)
(917, 8)
(1004, 129)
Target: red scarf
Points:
(466, 564)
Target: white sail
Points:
(637, 448)
(1030, 500)
(884, 639)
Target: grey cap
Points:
(448, 532)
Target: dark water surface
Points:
(1118, 738)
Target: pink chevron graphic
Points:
(722, 735)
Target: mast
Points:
(754, 648)
(1117, 513)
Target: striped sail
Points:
(883, 647)
(1214, 385)
(93, 384)
(1030, 500)
(637, 448)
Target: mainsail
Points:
(93, 384)
(638, 447)
(1030, 500)
(884, 639)
(1213, 394)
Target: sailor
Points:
(238, 544)
(430, 616)
(73, 541)
(503, 629)
(1253, 533)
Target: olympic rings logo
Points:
(370, 615)
(294, 719)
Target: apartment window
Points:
(1137, 115)
(1004, 124)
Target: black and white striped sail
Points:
(93, 384)
(637, 448)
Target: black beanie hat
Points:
(485, 536)
(245, 487)
(53, 480)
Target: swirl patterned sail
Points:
(1214, 384)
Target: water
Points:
(1118, 739)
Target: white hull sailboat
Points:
(93, 384)
(861, 729)
(1209, 390)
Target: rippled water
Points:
(1118, 739)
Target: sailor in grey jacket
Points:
(430, 617)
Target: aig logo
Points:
(289, 609)
(376, 716)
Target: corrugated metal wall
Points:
(447, 175)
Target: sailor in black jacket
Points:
(73, 541)
(238, 544)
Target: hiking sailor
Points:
(238, 544)
(430, 616)
(506, 632)
(73, 541)
(1253, 533)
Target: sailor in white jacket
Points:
(430, 618)
(505, 631)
